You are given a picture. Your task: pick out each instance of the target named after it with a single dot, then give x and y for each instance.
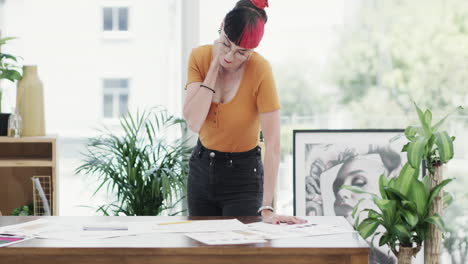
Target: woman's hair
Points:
(244, 24)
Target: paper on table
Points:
(8, 240)
(227, 238)
(43, 228)
(103, 226)
(100, 230)
(34, 227)
(308, 229)
(199, 226)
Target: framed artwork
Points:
(324, 160)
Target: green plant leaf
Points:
(388, 209)
(367, 227)
(357, 190)
(436, 190)
(416, 151)
(410, 206)
(383, 182)
(404, 180)
(7, 56)
(5, 40)
(444, 146)
(402, 232)
(411, 218)
(419, 196)
(426, 182)
(447, 199)
(428, 117)
(437, 221)
(422, 119)
(11, 75)
(395, 195)
(372, 213)
(356, 222)
(384, 239)
(410, 132)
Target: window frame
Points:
(115, 92)
(115, 33)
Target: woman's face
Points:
(361, 172)
(232, 56)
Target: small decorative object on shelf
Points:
(30, 102)
(15, 124)
(42, 194)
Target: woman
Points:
(230, 92)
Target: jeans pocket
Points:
(195, 153)
(259, 174)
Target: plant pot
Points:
(4, 124)
(405, 255)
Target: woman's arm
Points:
(270, 123)
(198, 99)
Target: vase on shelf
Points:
(30, 102)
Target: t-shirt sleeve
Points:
(267, 97)
(193, 72)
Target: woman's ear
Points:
(221, 27)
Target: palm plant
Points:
(145, 169)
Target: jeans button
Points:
(212, 154)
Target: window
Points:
(115, 98)
(115, 18)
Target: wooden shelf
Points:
(21, 159)
(4, 139)
(14, 162)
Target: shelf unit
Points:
(20, 160)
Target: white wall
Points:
(65, 39)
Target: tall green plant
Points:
(8, 67)
(434, 146)
(145, 170)
(407, 203)
(403, 206)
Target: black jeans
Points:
(224, 183)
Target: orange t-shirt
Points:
(234, 126)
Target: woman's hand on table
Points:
(272, 218)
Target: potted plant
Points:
(8, 71)
(433, 146)
(405, 203)
(142, 167)
(403, 212)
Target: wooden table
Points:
(171, 248)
